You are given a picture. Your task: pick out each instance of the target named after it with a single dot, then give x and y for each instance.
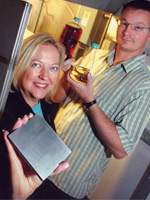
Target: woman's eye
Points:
(35, 65)
(54, 68)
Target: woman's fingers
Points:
(62, 166)
(17, 124)
(22, 121)
(12, 154)
(30, 115)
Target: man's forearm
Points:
(107, 131)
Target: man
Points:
(113, 124)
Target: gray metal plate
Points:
(40, 146)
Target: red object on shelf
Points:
(70, 36)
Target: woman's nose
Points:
(43, 74)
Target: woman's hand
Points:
(23, 179)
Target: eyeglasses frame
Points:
(129, 24)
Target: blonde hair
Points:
(28, 51)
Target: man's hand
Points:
(85, 91)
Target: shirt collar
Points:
(126, 65)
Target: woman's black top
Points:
(16, 107)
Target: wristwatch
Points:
(87, 105)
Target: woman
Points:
(35, 79)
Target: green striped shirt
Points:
(123, 93)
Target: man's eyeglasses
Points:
(134, 27)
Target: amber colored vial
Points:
(70, 37)
(79, 74)
(85, 65)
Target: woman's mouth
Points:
(40, 85)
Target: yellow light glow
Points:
(112, 30)
(27, 34)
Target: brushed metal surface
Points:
(40, 146)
